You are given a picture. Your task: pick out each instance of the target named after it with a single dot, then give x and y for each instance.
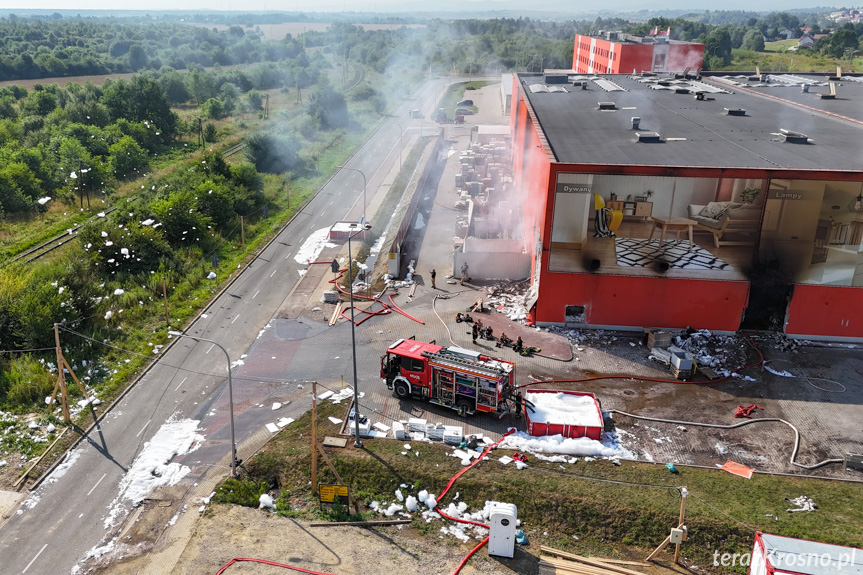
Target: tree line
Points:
(33, 48)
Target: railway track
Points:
(48, 246)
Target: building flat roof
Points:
(700, 133)
(811, 557)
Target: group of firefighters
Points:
(478, 331)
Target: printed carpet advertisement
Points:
(633, 252)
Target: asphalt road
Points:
(68, 516)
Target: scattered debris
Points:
(802, 503)
(746, 411)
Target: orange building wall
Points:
(826, 311)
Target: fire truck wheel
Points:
(463, 407)
(402, 389)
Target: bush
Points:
(245, 492)
(25, 381)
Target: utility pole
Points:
(242, 232)
(62, 366)
(315, 437)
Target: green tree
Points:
(272, 154)
(753, 41)
(209, 132)
(843, 39)
(327, 108)
(39, 103)
(213, 109)
(127, 158)
(137, 57)
(86, 175)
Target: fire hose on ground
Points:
(387, 307)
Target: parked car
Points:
(463, 112)
(465, 103)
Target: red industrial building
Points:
(755, 188)
(620, 53)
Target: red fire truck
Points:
(453, 377)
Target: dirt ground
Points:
(226, 532)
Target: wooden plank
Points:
(707, 372)
(44, 453)
(360, 523)
(588, 561)
(562, 566)
(336, 311)
(623, 562)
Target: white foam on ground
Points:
(313, 246)
(153, 468)
(581, 446)
(61, 469)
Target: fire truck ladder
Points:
(453, 362)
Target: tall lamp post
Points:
(230, 395)
(366, 226)
(364, 187)
(401, 131)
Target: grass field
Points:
(593, 507)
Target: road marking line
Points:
(274, 273)
(256, 293)
(34, 559)
(211, 347)
(100, 479)
(235, 319)
(182, 382)
(142, 429)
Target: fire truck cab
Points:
(454, 377)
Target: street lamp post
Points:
(401, 131)
(364, 188)
(230, 395)
(357, 441)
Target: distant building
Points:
(805, 42)
(619, 53)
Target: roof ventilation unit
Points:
(648, 137)
(735, 112)
(831, 95)
(556, 79)
(792, 137)
(681, 90)
(607, 105)
(636, 121)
